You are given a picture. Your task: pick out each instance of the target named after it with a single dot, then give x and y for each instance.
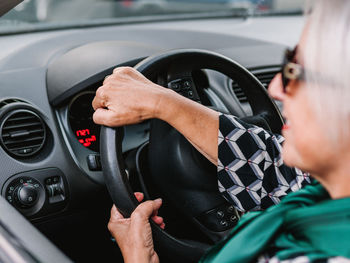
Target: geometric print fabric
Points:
(251, 173)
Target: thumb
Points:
(115, 214)
(103, 117)
(146, 209)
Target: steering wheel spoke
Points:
(185, 86)
(216, 223)
(180, 80)
(219, 219)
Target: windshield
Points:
(32, 15)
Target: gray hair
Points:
(327, 63)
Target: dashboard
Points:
(49, 150)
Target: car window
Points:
(38, 14)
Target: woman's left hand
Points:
(134, 234)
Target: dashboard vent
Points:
(265, 78)
(8, 101)
(22, 133)
(239, 92)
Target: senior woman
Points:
(309, 225)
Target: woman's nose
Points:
(275, 88)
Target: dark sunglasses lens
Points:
(289, 55)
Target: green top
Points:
(306, 223)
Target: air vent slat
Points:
(22, 118)
(24, 140)
(26, 147)
(8, 101)
(239, 92)
(22, 133)
(6, 135)
(266, 75)
(16, 126)
(265, 79)
(36, 131)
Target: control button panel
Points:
(37, 193)
(94, 162)
(185, 87)
(55, 189)
(220, 218)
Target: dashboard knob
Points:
(27, 195)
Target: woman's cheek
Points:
(294, 150)
(289, 154)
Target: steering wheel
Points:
(183, 174)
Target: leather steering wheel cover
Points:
(115, 177)
(111, 141)
(123, 197)
(258, 98)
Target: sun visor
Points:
(7, 5)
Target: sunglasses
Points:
(291, 70)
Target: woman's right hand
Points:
(127, 97)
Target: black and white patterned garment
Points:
(251, 172)
(252, 175)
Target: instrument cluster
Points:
(80, 119)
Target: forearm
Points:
(196, 122)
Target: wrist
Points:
(164, 104)
(140, 255)
(140, 258)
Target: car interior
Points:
(61, 173)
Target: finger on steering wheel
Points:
(139, 196)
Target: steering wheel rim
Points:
(111, 140)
